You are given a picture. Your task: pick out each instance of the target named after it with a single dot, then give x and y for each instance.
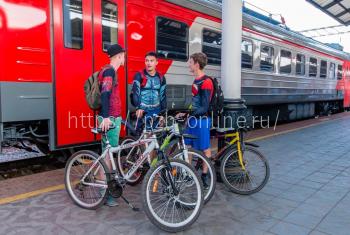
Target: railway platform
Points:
(308, 193)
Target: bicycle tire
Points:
(150, 211)
(234, 153)
(68, 185)
(211, 170)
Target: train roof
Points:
(262, 24)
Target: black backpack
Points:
(216, 106)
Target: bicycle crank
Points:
(115, 189)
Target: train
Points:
(49, 48)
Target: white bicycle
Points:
(167, 191)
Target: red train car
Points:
(48, 49)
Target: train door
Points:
(82, 32)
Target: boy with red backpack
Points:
(207, 102)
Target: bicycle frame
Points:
(169, 137)
(150, 142)
(237, 139)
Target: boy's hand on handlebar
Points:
(139, 113)
(105, 124)
(181, 115)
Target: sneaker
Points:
(205, 181)
(111, 201)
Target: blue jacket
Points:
(151, 94)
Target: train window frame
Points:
(117, 22)
(304, 64)
(68, 21)
(252, 53)
(214, 31)
(342, 72)
(332, 76)
(273, 58)
(187, 39)
(324, 69)
(290, 60)
(309, 62)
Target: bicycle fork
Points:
(239, 149)
(169, 173)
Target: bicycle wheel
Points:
(87, 192)
(198, 160)
(163, 206)
(127, 158)
(248, 181)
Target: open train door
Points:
(82, 32)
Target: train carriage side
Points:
(48, 50)
(296, 79)
(26, 89)
(172, 31)
(51, 47)
(279, 70)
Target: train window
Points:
(266, 58)
(300, 65)
(172, 39)
(212, 46)
(247, 54)
(323, 70)
(332, 71)
(313, 67)
(340, 72)
(286, 62)
(73, 24)
(109, 24)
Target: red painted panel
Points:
(25, 41)
(72, 68)
(74, 118)
(141, 30)
(100, 57)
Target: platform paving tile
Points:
(308, 193)
(337, 221)
(305, 220)
(285, 228)
(315, 232)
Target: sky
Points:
(300, 15)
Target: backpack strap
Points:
(143, 79)
(103, 69)
(161, 76)
(201, 83)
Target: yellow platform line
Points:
(30, 194)
(61, 186)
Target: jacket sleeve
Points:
(136, 90)
(163, 101)
(206, 91)
(106, 87)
